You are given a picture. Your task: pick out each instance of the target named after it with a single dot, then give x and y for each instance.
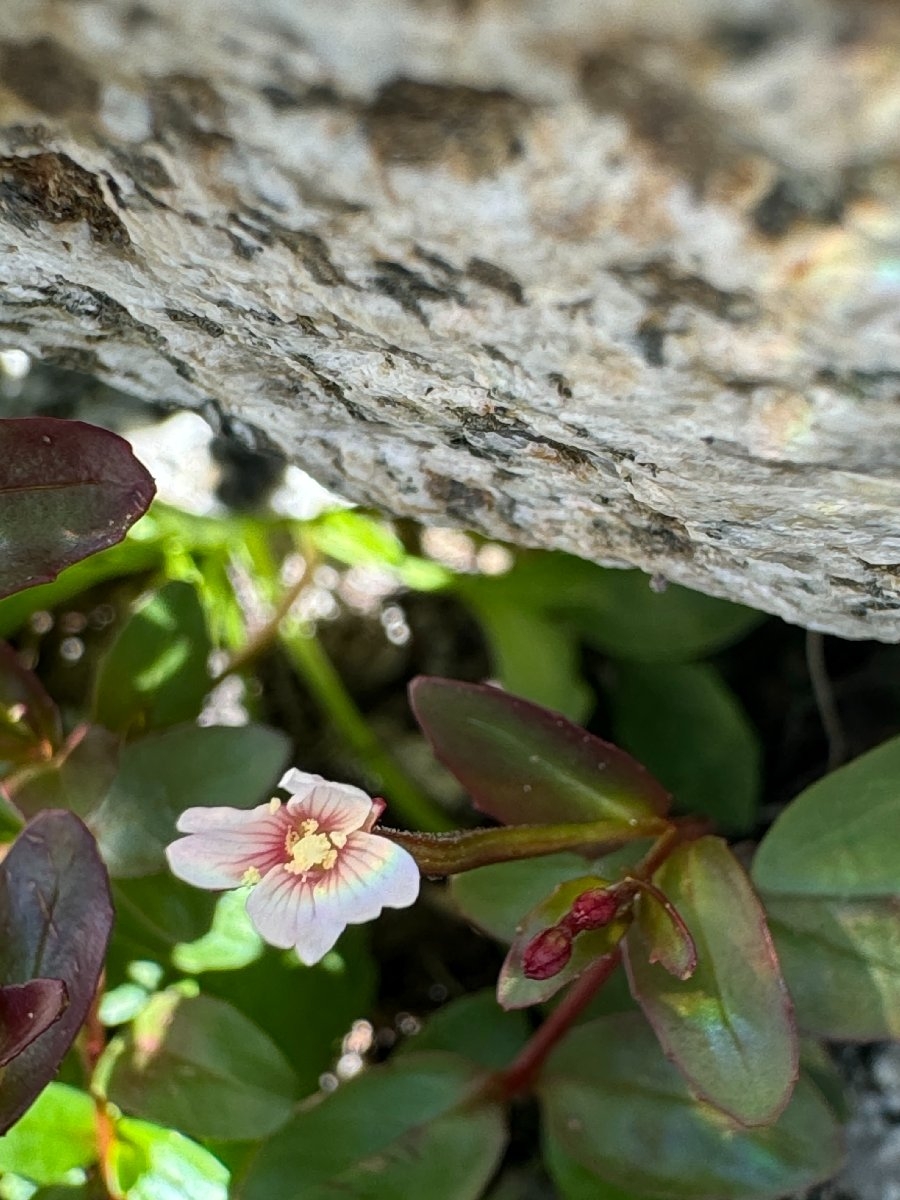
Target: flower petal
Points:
(299, 783)
(338, 807)
(224, 843)
(371, 874)
(282, 911)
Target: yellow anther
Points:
(311, 850)
(251, 876)
(309, 826)
(274, 804)
(338, 839)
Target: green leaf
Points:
(354, 537)
(67, 490)
(231, 941)
(152, 1163)
(199, 1065)
(476, 1028)
(617, 611)
(403, 1130)
(729, 1027)
(155, 673)
(522, 763)
(688, 728)
(55, 1136)
(514, 988)
(576, 1182)
(839, 837)
(616, 1108)
(163, 774)
(154, 914)
(840, 959)
(533, 656)
(56, 917)
(304, 1010)
(497, 898)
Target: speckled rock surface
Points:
(618, 278)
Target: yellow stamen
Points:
(251, 875)
(308, 848)
(274, 804)
(312, 850)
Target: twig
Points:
(823, 694)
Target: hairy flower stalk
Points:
(313, 863)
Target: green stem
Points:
(463, 850)
(327, 688)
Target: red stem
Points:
(521, 1073)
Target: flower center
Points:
(308, 848)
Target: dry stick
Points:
(823, 694)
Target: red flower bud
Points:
(593, 909)
(547, 954)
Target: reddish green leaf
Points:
(26, 1010)
(841, 962)
(514, 988)
(523, 763)
(67, 490)
(664, 936)
(730, 1026)
(56, 917)
(30, 726)
(839, 837)
(615, 1108)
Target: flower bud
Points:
(593, 909)
(547, 954)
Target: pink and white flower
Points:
(313, 863)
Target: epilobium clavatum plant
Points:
(664, 992)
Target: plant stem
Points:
(823, 694)
(264, 637)
(520, 1075)
(683, 829)
(318, 673)
(327, 688)
(90, 1045)
(463, 850)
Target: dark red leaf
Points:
(521, 763)
(67, 490)
(30, 727)
(55, 921)
(26, 1010)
